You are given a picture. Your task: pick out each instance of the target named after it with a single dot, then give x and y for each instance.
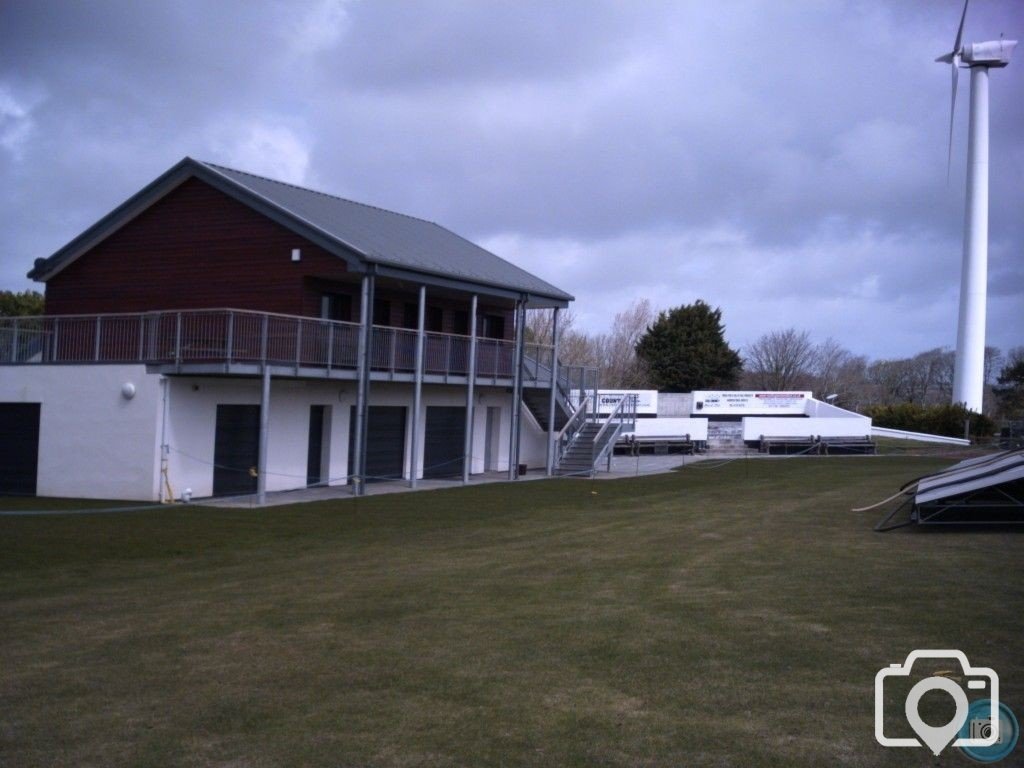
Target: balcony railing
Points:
(229, 337)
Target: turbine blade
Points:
(952, 114)
(960, 30)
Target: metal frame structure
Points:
(983, 491)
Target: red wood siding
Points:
(196, 248)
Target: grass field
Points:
(730, 616)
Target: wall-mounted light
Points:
(127, 390)
(296, 254)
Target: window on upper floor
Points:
(492, 326)
(410, 315)
(435, 319)
(336, 306)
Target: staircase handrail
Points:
(581, 410)
(624, 411)
(568, 434)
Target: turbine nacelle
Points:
(994, 53)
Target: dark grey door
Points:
(444, 440)
(315, 457)
(236, 449)
(385, 442)
(19, 448)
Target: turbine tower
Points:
(969, 370)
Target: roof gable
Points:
(362, 234)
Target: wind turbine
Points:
(969, 370)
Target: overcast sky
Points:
(783, 160)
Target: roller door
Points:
(385, 442)
(444, 441)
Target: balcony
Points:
(240, 342)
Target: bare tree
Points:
(577, 348)
(540, 321)
(613, 352)
(889, 381)
(993, 363)
(943, 376)
(837, 371)
(780, 360)
(829, 358)
(924, 372)
(621, 368)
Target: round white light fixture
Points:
(127, 390)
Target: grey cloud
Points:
(809, 136)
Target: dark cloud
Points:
(783, 160)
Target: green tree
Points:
(1009, 389)
(13, 304)
(944, 419)
(685, 349)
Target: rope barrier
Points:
(581, 474)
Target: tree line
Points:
(684, 348)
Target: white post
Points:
(969, 370)
(467, 450)
(552, 432)
(417, 392)
(261, 470)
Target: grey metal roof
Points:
(971, 475)
(395, 239)
(373, 235)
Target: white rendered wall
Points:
(827, 410)
(193, 411)
(697, 429)
(755, 426)
(902, 434)
(533, 445)
(192, 420)
(93, 442)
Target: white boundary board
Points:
(646, 400)
(722, 403)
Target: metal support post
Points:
(552, 432)
(417, 391)
(261, 470)
(517, 393)
(363, 390)
(467, 452)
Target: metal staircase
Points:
(587, 439)
(538, 401)
(578, 457)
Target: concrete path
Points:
(622, 466)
